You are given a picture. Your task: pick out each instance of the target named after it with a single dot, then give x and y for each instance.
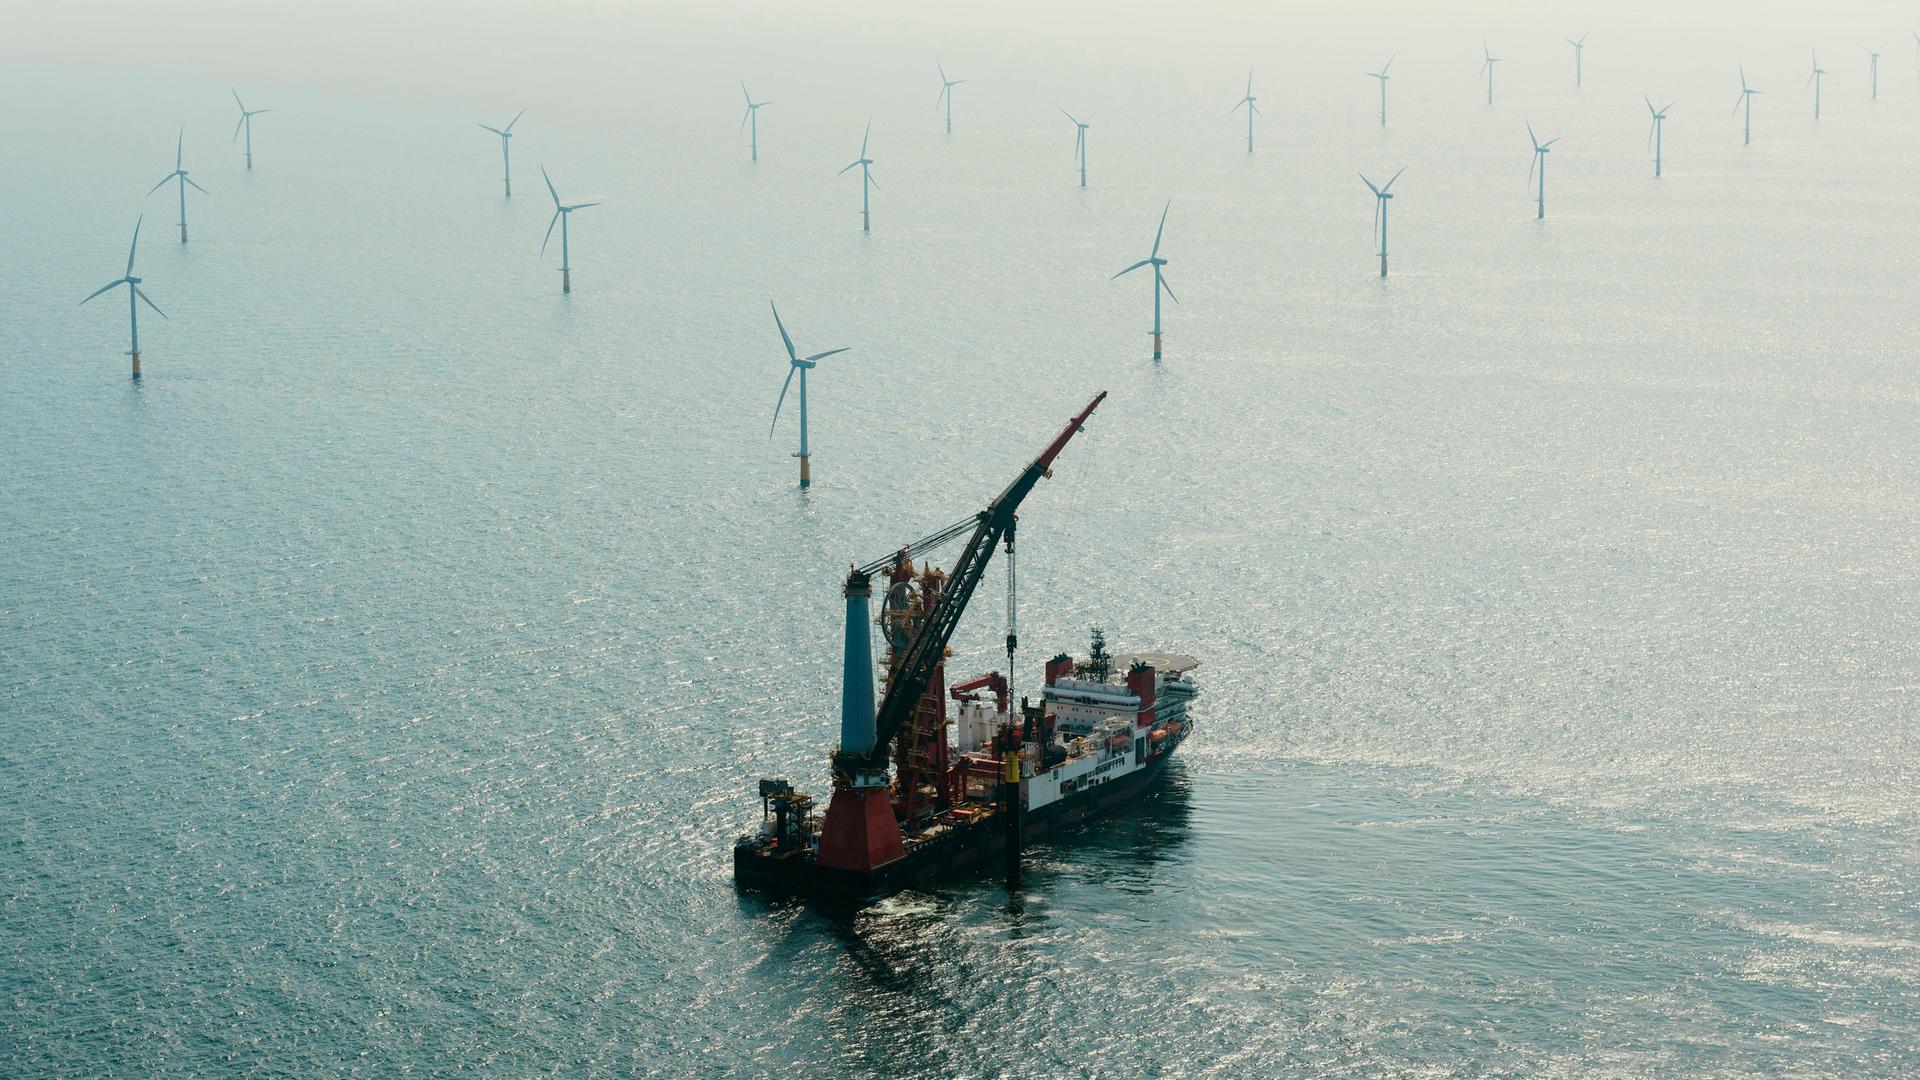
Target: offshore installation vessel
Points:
(917, 795)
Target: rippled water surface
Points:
(384, 677)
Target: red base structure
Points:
(860, 832)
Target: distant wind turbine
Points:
(179, 173)
(946, 93)
(1579, 46)
(506, 140)
(561, 212)
(1540, 161)
(1382, 76)
(134, 296)
(1248, 103)
(1873, 72)
(802, 365)
(1079, 143)
(1746, 99)
(246, 121)
(1380, 196)
(866, 179)
(1487, 68)
(1813, 80)
(752, 117)
(1154, 260)
(1654, 133)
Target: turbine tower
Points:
(1382, 76)
(179, 173)
(1654, 132)
(1248, 103)
(506, 140)
(1540, 160)
(134, 296)
(246, 121)
(1579, 46)
(795, 362)
(752, 117)
(1080, 143)
(561, 212)
(1380, 196)
(1813, 80)
(1745, 99)
(866, 179)
(1873, 72)
(1487, 68)
(946, 94)
(1159, 279)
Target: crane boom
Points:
(929, 645)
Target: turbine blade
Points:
(829, 352)
(179, 144)
(791, 355)
(843, 172)
(863, 138)
(137, 291)
(1551, 141)
(1650, 109)
(1385, 66)
(196, 187)
(745, 116)
(581, 206)
(1389, 184)
(744, 94)
(1531, 137)
(516, 119)
(163, 182)
(1068, 115)
(236, 99)
(495, 130)
(103, 288)
(1163, 227)
(869, 175)
(1369, 183)
(550, 191)
(1128, 270)
(237, 125)
(1163, 284)
(1668, 105)
(943, 71)
(135, 246)
(549, 236)
(791, 368)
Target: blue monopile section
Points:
(856, 685)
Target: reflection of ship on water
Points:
(920, 793)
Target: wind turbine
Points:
(1746, 98)
(1080, 143)
(1540, 160)
(1487, 68)
(946, 94)
(179, 173)
(246, 121)
(1813, 80)
(134, 296)
(561, 212)
(1380, 196)
(1382, 76)
(801, 365)
(1159, 280)
(1873, 71)
(506, 140)
(866, 178)
(1251, 108)
(1579, 46)
(753, 117)
(1654, 133)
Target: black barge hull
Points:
(958, 851)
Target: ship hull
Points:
(957, 852)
